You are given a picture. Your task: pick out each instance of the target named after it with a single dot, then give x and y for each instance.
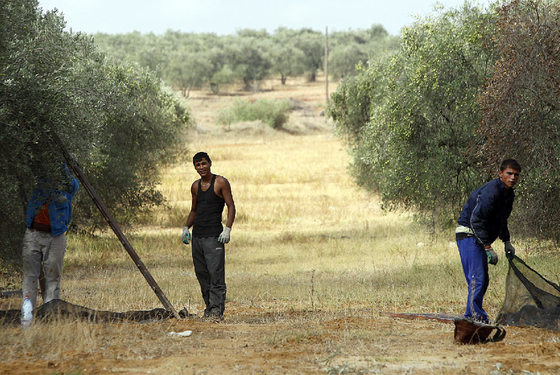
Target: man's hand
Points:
(186, 236)
(492, 256)
(224, 236)
(510, 250)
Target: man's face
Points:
(509, 177)
(202, 167)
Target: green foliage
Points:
(249, 58)
(287, 59)
(410, 118)
(224, 76)
(272, 113)
(137, 132)
(349, 49)
(466, 90)
(522, 112)
(117, 121)
(296, 52)
(313, 44)
(351, 104)
(343, 60)
(188, 70)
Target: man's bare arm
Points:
(224, 190)
(192, 213)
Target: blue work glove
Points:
(510, 250)
(224, 236)
(186, 236)
(492, 256)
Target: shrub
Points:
(273, 113)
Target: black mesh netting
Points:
(531, 300)
(61, 309)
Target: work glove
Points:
(492, 256)
(186, 236)
(224, 236)
(510, 250)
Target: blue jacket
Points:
(60, 205)
(487, 211)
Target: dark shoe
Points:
(468, 331)
(215, 314)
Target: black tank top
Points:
(209, 207)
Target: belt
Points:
(40, 227)
(463, 229)
(462, 232)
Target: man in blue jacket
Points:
(48, 214)
(484, 219)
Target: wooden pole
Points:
(326, 66)
(113, 224)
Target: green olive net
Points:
(530, 300)
(57, 308)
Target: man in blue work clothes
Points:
(48, 215)
(484, 219)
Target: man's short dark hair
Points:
(199, 156)
(510, 163)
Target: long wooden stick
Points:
(446, 318)
(113, 224)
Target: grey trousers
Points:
(209, 265)
(42, 250)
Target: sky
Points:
(227, 16)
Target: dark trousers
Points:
(209, 265)
(475, 268)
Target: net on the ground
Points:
(530, 300)
(61, 309)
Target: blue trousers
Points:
(475, 268)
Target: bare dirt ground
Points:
(274, 338)
(265, 341)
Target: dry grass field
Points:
(313, 265)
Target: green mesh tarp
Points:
(61, 309)
(530, 300)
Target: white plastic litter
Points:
(181, 334)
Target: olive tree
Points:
(344, 59)
(312, 42)
(286, 59)
(187, 70)
(249, 56)
(521, 107)
(411, 118)
(116, 120)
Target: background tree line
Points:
(187, 61)
(467, 88)
(117, 120)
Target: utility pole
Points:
(326, 66)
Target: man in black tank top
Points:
(209, 195)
